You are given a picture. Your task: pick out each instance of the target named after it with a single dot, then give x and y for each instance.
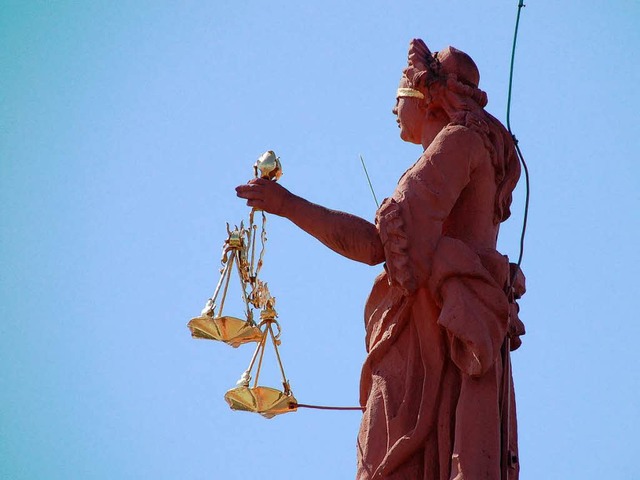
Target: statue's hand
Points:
(265, 195)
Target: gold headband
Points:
(409, 92)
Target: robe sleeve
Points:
(410, 221)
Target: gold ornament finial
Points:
(268, 166)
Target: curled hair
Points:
(467, 91)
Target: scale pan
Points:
(266, 401)
(229, 330)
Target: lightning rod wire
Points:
(515, 140)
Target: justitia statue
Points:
(441, 317)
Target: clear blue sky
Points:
(125, 126)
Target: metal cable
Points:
(506, 393)
(515, 140)
(323, 407)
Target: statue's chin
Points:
(407, 137)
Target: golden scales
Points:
(239, 251)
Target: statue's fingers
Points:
(248, 191)
(255, 202)
(260, 181)
(243, 187)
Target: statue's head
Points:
(435, 75)
(456, 62)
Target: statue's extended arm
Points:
(346, 234)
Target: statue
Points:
(441, 318)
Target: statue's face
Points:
(410, 116)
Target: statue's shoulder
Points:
(456, 138)
(475, 120)
(462, 132)
(456, 147)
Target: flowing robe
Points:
(436, 320)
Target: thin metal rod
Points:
(252, 240)
(526, 206)
(255, 353)
(263, 344)
(323, 407)
(226, 286)
(263, 241)
(506, 364)
(513, 57)
(243, 286)
(375, 199)
(506, 407)
(275, 346)
(222, 275)
(515, 140)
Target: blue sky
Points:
(124, 128)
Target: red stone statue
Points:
(441, 318)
